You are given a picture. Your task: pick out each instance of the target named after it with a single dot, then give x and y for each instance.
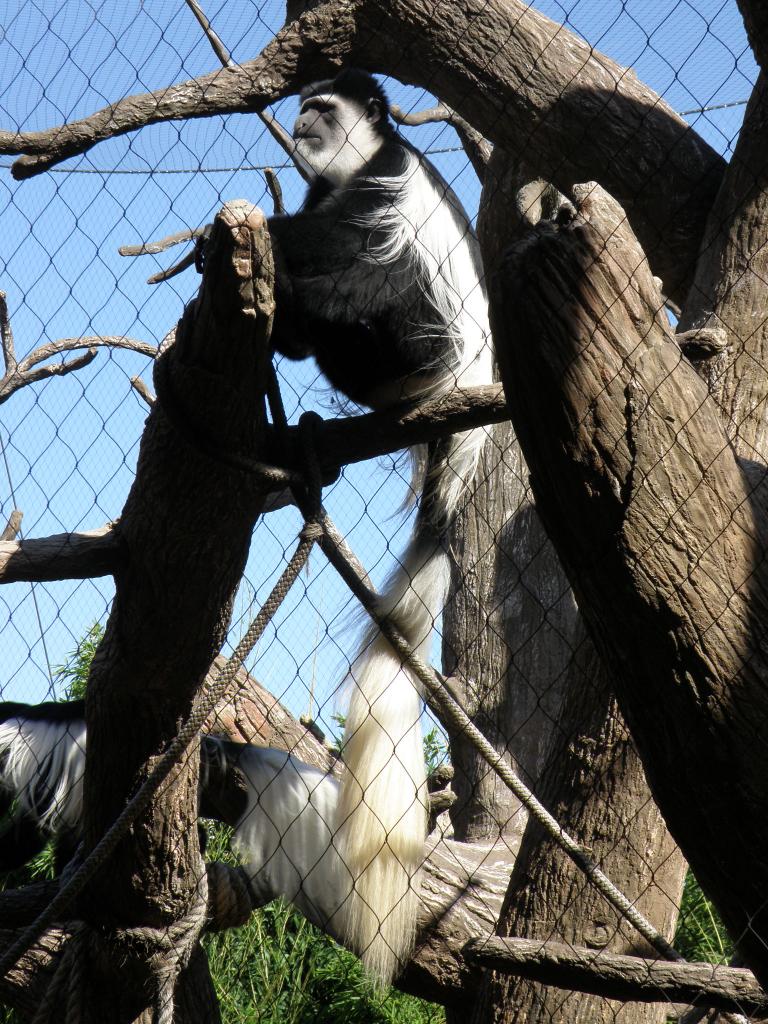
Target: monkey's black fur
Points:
(370, 323)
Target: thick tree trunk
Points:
(561, 724)
(660, 533)
(504, 642)
(728, 291)
(185, 533)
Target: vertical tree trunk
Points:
(552, 707)
(506, 641)
(186, 529)
(660, 531)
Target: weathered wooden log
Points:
(614, 976)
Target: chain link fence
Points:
(81, 328)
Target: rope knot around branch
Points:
(165, 950)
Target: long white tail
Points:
(382, 812)
(381, 822)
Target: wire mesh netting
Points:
(365, 809)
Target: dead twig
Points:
(141, 388)
(273, 126)
(20, 373)
(275, 191)
(477, 148)
(152, 248)
(13, 525)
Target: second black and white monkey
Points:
(381, 282)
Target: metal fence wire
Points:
(452, 710)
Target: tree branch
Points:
(13, 525)
(20, 373)
(357, 438)
(275, 190)
(141, 388)
(217, 45)
(65, 556)
(338, 442)
(616, 976)
(6, 337)
(276, 130)
(153, 248)
(187, 260)
(477, 148)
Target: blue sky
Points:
(69, 445)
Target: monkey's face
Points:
(337, 136)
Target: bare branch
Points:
(285, 140)
(13, 525)
(65, 556)
(432, 115)
(617, 976)
(477, 148)
(165, 275)
(272, 124)
(6, 337)
(152, 248)
(28, 370)
(218, 47)
(273, 184)
(141, 388)
(17, 380)
(92, 341)
(358, 438)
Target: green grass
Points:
(700, 933)
(279, 969)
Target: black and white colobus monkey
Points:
(282, 810)
(382, 282)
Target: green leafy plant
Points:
(435, 750)
(71, 678)
(701, 935)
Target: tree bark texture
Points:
(540, 686)
(623, 977)
(755, 17)
(185, 529)
(504, 640)
(728, 291)
(524, 82)
(659, 531)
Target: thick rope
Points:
(455, 715)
